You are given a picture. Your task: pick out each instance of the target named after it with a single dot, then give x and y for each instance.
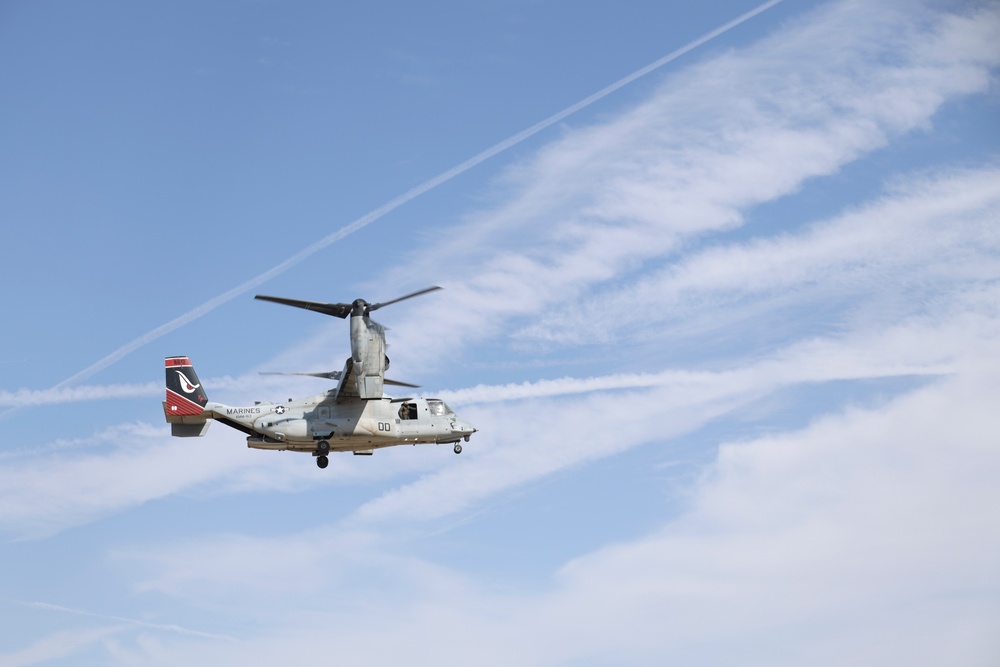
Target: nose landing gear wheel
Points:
(323, 448)
(458, 449)
(322, 461)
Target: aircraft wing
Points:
(347, 387)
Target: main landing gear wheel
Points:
(458, 449)
(322, 461)
(323, 448)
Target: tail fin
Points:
(185, 395)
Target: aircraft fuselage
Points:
(358, 425)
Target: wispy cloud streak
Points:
(33, 397)
(96, 392)
(638, 409)
(819, 528)
(732, 441)
(883, 250)
(58, 645)
(393, 204)
(587, 218)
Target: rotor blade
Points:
(401, 384)
(329, 375)
(341, 310)
(376, 306)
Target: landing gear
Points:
(322, 449)
(458, 449)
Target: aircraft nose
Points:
(463, 427)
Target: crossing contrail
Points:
(393, 204)
(165, 627)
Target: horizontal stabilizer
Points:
(189, 430)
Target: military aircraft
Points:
(355, 416)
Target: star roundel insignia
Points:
(280, 409)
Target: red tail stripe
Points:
(178, 405)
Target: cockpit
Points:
(438, 408)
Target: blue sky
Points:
(730, 333)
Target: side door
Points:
(408, 419)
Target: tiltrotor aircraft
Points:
(354, 417)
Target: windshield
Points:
(438, 408)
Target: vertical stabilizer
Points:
(185, 395)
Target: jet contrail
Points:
(131, 621)
(393, 204)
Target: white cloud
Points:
(552, 425)
(888, 510)
(868, 537)
(903, 234)
(132, 464)
(560, 418)
(228, 386)
(43, 492)
(32, 397)
(738, 130)
(927, 231)
(57, 645)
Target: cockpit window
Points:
(438, 408)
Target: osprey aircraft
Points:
(355, 416)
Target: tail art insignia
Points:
(186, 384)
(185, 397)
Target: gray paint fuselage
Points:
(355, 425)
